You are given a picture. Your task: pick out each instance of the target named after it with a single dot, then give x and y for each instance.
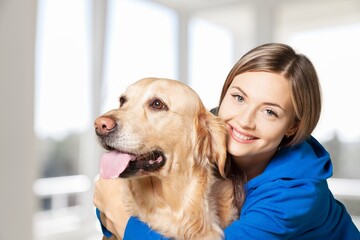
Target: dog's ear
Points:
(211, 141)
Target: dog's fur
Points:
(187, 196)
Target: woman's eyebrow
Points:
(239, 89)
(266, 103)
(275, 105)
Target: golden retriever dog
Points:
(169, 153)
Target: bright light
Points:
(338, 69)
(141, 43)
(62, 68)
(61, 185)
(211, 54)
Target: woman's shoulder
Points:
(304, 163)
(290, 201)
(295, 206)
(289, 195)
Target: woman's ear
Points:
(292, 130)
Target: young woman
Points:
(271, 103)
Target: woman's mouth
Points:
(240, 137)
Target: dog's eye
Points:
(122, 100)
(157, 104)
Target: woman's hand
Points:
(107, 198)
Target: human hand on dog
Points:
(106, 198)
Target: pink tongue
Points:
(113, 163)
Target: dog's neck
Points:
(169, 193)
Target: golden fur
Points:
(183, 199)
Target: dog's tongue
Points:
(113, 163)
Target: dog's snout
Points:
(104, 124)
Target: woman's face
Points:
(258, 111)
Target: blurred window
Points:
(335, 52)
(62, 68)
(62, 115)
(141, 42)
(211, 53)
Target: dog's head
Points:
(161, 127)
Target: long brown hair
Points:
(304, 90)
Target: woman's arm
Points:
(133, 230)
(279, 213)
(105, 199)
(113, 217)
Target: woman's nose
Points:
(246, 118)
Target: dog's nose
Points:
(103, 125)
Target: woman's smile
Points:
(240, 136)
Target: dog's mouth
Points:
(115, 164)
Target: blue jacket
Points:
(289, 200)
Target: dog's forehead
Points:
(166, 89)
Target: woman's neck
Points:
(253, 166)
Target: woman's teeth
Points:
(241, 136)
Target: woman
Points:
(271, 103)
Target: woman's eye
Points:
(238, 98)
(158, 105)
(270, 112)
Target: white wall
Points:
(17, 150)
